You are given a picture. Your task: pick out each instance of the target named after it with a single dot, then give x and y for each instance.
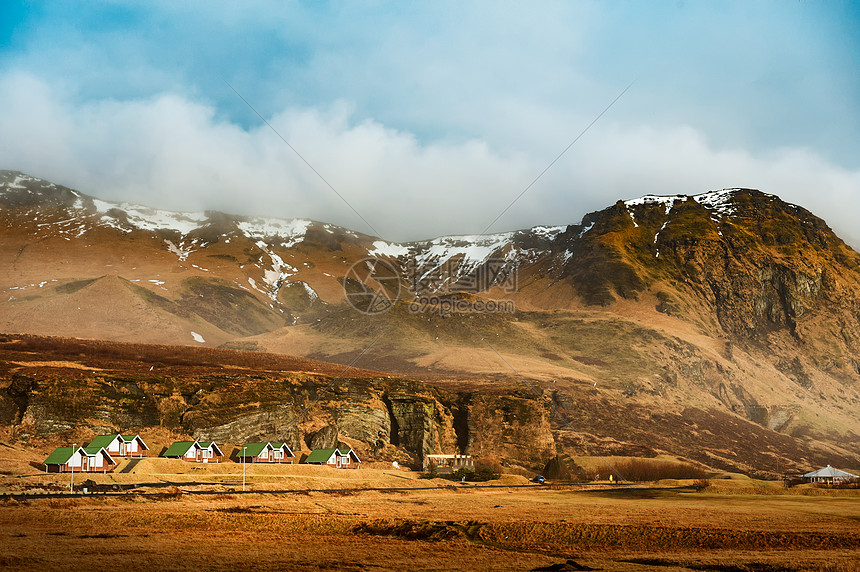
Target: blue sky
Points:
(430, 117)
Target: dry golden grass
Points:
(448, 529)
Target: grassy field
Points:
(463, 528)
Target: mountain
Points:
(723, 326)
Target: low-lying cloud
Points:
(175, 153)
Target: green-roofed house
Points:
(281, 453)
(195, 451)
(83, 459)
(121, 445)
(255, 453)
(340, 458)
(278, 452)
(210, 453)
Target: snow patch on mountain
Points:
(547, 232)
(390, 249)
(473, 249)
(145, 218)
(181, 251)
(277, 275)
(666, 201)
(290, 232)
(16, 183)
(312, 294)
(719, 201)
(662, 228)
(586, 229)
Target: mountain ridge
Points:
(732, 303)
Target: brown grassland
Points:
(729, 526)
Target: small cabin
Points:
(82, 459)
(195, 451)
(121, 445)
(255, 453)
(340, 458)
(447, 464)
(277, 452)
(281, 453)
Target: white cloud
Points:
(174, 153)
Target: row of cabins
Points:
(99, 455)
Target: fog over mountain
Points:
(431, 119)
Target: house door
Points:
(85, 463)
(122, 449)
(337, 462)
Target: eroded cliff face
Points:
(513, 428)
(383, 418)
(270, 423)
(667, 396)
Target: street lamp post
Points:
(243, 468)
(72, 467)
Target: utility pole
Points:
(72, 467)
(243, 468)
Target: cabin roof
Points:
(252, 449)
(320, 455)
(179, 448)
(102, 440)
(61, 455)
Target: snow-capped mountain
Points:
(730, 304)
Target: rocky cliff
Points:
(73, 388)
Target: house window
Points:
(207, 454)
(278, 454)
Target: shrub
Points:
(701, 484)
(649, 470)
(488, 465)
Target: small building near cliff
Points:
(447, 464)
(277, 452)
(195, 451)
(281, 453)
(829, 475)
(83, 459)
(255, 453)
(340, 458)
(121, 445)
